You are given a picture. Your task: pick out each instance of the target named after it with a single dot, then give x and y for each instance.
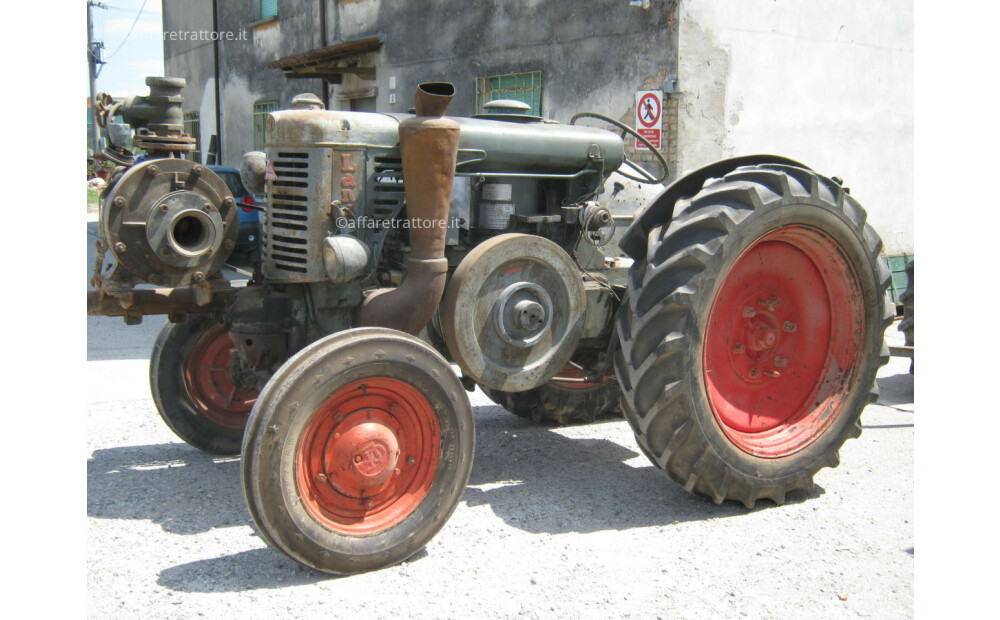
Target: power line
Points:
(134, 22)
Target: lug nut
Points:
(152, 171)
(228, 202)
(197, 170)
(789, 326)
(738, 348)
(755, 373)
(780, 362)
(207, 206)
(198, 276)
(749, 313)
(321, 478)
(120, 247)
(772, 373)
(119, 202)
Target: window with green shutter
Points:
(268, 8)
(525, 87)
(260, 112)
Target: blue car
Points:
(248, 240)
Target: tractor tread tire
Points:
(670, 292)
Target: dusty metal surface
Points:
(169, 222)
(173, 301)
(429, 146)
(514, 312)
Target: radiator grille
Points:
(296, 218)
(288, 213)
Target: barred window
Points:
(260, 112)
(192, 127)
(525, 87)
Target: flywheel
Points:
(513, 312)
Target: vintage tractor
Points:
(738, 321)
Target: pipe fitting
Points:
(428, 143)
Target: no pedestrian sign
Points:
(649, 117)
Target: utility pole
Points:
(93, 59)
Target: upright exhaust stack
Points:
(429, 146)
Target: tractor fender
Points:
(660, 209)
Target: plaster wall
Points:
(826, 82)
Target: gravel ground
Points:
(570, 522)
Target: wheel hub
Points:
(522, 314)
(758, 346)
(368, 455)
(782, 341)
(362, 453)
(209, 379)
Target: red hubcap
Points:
(368, 456)
(783, 341)
(210, 385)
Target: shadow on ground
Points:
(532, 477)
(895, 389)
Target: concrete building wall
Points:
(826, 82)
(192, 60)
(593, 56)
(243, 59)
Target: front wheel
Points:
(358, 450)
(753, 333)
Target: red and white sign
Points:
(649, 117)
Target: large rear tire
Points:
(568, 398)
(357, 451)
(753, 332)
(191, 383)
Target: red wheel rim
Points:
(211, 387)
(783, 341)
(368, 456)
(572, 378)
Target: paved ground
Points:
(567, 522)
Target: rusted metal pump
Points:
(735, 317)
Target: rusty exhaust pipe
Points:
(428, 143)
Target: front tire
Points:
(189, 377)
(358, 450)
(753, 333)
